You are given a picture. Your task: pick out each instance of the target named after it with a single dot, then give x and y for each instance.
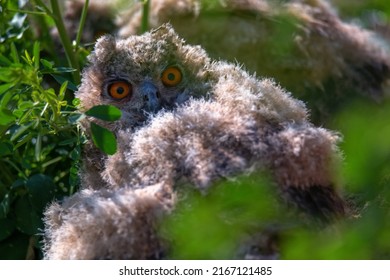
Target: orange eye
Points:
(171, 76)
(119, 89)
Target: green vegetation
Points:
(41, 143)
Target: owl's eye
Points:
(171, 76)
(119, 89)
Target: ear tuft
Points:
(104, 48)
(167, 33)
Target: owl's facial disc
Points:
(151, 97)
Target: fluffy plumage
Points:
(217, 122)
(107, 224)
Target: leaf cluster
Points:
(40, 138)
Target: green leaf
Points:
(25, 105)
(103, 139)
(5, 60)
(75, 118)
(5, 205)
(41, 191)
(74, 178)
(52, 161)
(47, 64)
(36, 54)
(63, 69)
(67, 142)
(208, 226)
(7, 226)
(5, 149)
(24, 140)
(75, 153)
(61, 80)
(14, 54)
(27, 57)
(6, 87)
(20, 131)
(27, 220)
(6, 117)
(105, 112)
(18, 187)
(8, 74)
(6, 98)
(38, 147)
(61, 94)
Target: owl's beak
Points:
(151, 97)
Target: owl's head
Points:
(143, 74)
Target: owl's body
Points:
(187, 120)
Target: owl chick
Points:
(303, 41)
(187, 120)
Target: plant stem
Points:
(27, 12)
(43, 5)
(70, 54)
(145, 16)
(81, 25)
(12, 164)
(46, 39)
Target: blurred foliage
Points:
(213, 226)
(40, 143)
(40, 149)
(359, 8)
